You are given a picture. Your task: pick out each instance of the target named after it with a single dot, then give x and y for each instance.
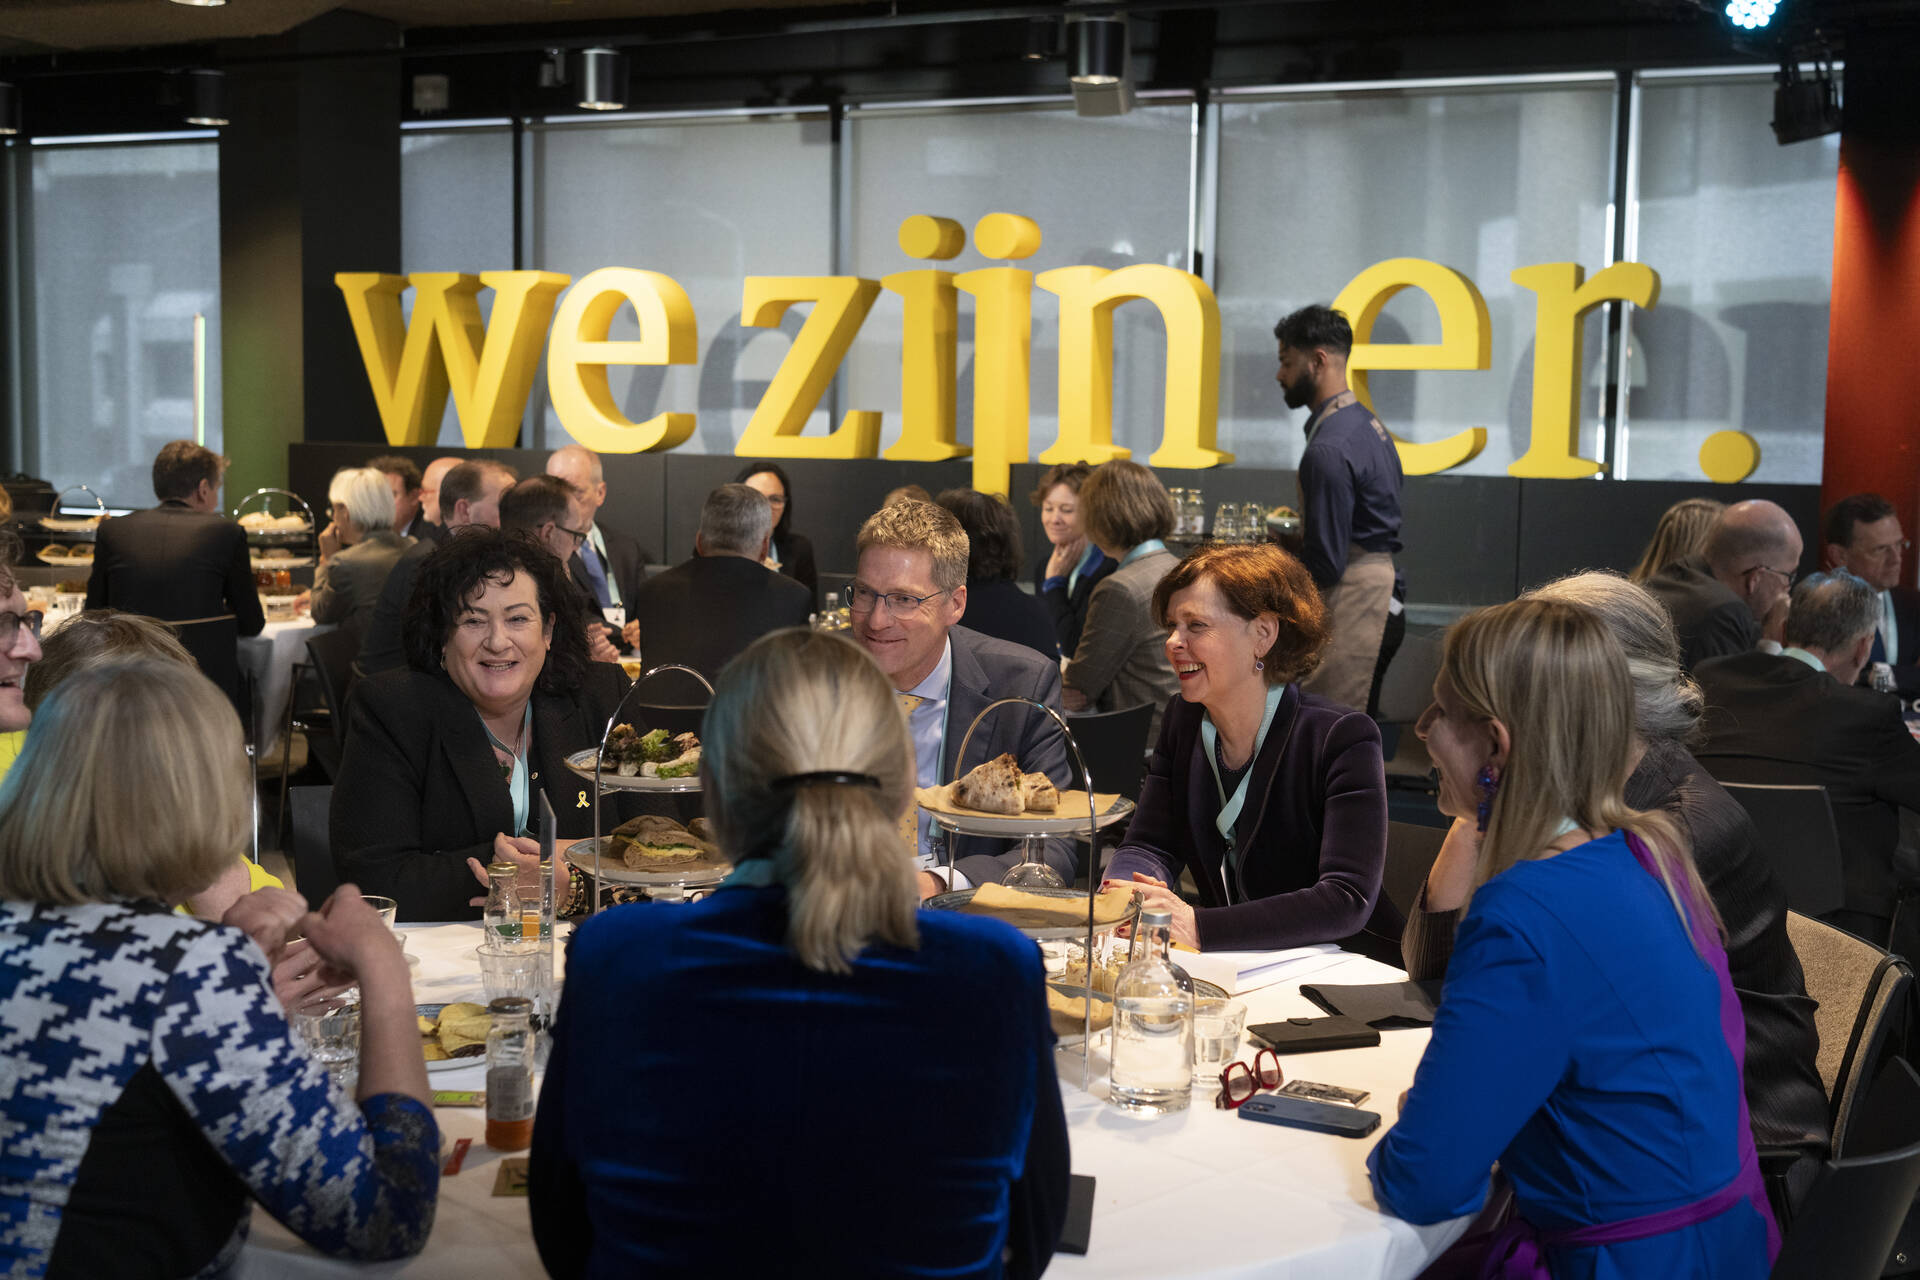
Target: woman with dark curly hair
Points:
(791, 553)
(1275, 799)
(442, 759)
(996, 606)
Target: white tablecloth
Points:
(269, 658)
(1202, 1193)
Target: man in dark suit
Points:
(470, 494)
(555, 512)
(408, 485)
(609, 563)
(908, 593)
(184, 563)
(432, 525)
(1863, 537)
(705, 611)
(1732, 598)
(1796, 717)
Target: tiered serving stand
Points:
(587, 764)
(1032, 827)
(61, 530)
(302, 541)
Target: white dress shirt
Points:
(927, 723)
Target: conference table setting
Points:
(1226, 1198)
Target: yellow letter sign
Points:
(1557, 339)
(1002, 347)
(840, 304)
(1088, 299)
(579, 353)
(489, 368)
(1466, 342)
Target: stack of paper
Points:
(1242, 971)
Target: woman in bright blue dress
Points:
(1587, 1038)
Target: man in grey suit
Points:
(909, 592)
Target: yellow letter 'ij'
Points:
(489, 368)
(1466, 342)
(929, 339)
(1002, 347)
(840, 304)
(1088, 299)
(1561, 299)
(579, 353)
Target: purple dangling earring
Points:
(1489, 783)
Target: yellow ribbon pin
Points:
(581, 803)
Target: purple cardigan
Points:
(1312, 834)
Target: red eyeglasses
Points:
(1240, 1082)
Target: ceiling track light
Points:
(9, 109)
(207, 97)
(1096, 51)
(601, 76)
(201, 4)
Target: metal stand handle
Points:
(289, 494)
(600, 756)
(1093, 854)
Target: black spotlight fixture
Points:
(1805, 107)
(601, 76)
(1043, 39)
(1096, 51)
(9, 109)
(207, 97)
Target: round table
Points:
(1200, 1193)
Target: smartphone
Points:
(1305, 1113)
(1077, 1228)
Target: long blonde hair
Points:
(1552, 673)
(132, 785)
(799, 702)
(1681, 532)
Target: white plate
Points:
(614, 870)
(1028, 824)
(581, 762)
(285, 562)
(446, 1064)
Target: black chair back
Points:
(314, 874)
(1794, 830)
(1851, 1217)
(215, 646)
(332, 654)
(1411, 849)
(1115, 746)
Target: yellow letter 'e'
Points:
(578, 354)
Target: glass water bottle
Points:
(510, 1095)
(502, 912)
(1152, 1026)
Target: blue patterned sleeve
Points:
(353, 1181)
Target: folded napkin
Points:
(1384, 1006)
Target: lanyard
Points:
(1230, 806)
(517, 785)
(1146, 548)
(1326, 411)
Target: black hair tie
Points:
(839, 776)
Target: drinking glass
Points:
(522, 972)
(1217, 1024)
(329, 1027)
(385, 908)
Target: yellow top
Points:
(10, 749)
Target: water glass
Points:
(385, 908)
(329, 1027)
(1217, 1024)
(521, 971)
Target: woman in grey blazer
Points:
(357, 550)
(1121, 660)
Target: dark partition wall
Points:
(1470, 540)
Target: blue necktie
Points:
(596, 574)
(1879, 653)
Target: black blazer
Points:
(1312, 834)
(795, 552)
(1005, 612)
(705, 611)
(382, 644)
(1710, 620)
(626, 566)
(419, 790)
(1775, 719)
(178, 564)
(1069, 611)
(1906, 660)
(984, 671)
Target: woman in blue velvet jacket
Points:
(802, 1075)
(1276, 800)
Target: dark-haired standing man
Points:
(1350, 483)
(1864, 537)
(183, 562)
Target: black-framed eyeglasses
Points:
(579, 536)
(862, 599)
(10, 624)
(1788, 578)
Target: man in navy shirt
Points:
(1350, 494)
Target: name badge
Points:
(616, 615)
